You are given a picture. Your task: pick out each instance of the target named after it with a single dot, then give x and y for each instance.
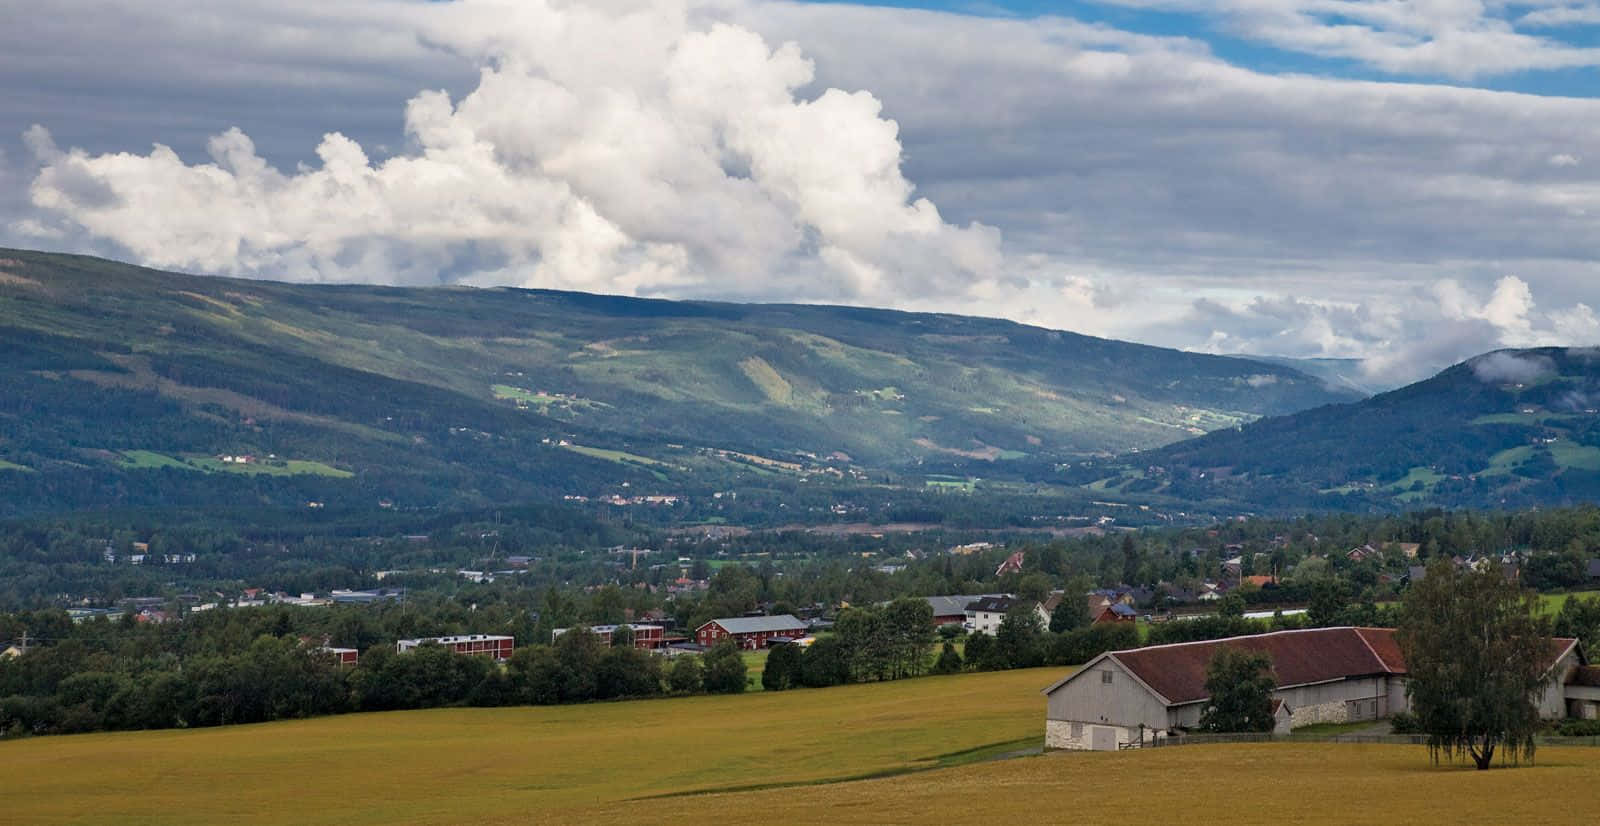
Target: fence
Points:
(1379, 739)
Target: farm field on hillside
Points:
(461, 765)
(1274, 783)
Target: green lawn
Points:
(4, 465)
(1551, 603)
(618, 456)
(149, 460)
(288, 467)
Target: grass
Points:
(543, 401)
(618, 456)
(4, 465)
(151, 460)
(965, 485)
(287, 467)
(1550, 604)
(468, 765)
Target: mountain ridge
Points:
(475, 389)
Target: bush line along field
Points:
(463, 765)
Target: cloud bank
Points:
(767, 150)
(685, 161)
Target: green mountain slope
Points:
(130, 385)
(1506, 429)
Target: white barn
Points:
(1324, 675)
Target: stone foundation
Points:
(1337, 711)
(1062, 734)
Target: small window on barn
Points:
(1105, 678)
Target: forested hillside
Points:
(1507, 429)
(129, 386)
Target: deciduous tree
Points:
(1476, 657)
(1240, 683)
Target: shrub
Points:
(1405, 722)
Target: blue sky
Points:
(1221, 32)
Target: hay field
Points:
(766, 756)
(1275, 783)
(462, 765)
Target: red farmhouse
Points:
(487, 645)
(750, 632)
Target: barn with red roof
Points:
(1323, 675)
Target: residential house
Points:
(1323, 675)
(985, 613)
(1011, 565)
(951, 610)
(1116, 612)
(1363, 553)
(750, 633)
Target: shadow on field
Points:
(1007, 750)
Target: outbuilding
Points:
(749, 632)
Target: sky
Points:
(1404, 182)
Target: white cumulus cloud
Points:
(626, 145)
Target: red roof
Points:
(1178, 672)
(1315, 655)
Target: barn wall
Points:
(1087, 699)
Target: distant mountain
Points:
(1511, 428)
(126, 385)
(1340, 374)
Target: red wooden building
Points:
(488, 645)
(342, 656)
(647, 637)
(750, 632)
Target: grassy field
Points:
(619, 456)
(4, 465)
(151, 460)
(910, 752)
(458, 765)
(1551, 603)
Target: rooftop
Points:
(756, 625)
(1177, 672)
